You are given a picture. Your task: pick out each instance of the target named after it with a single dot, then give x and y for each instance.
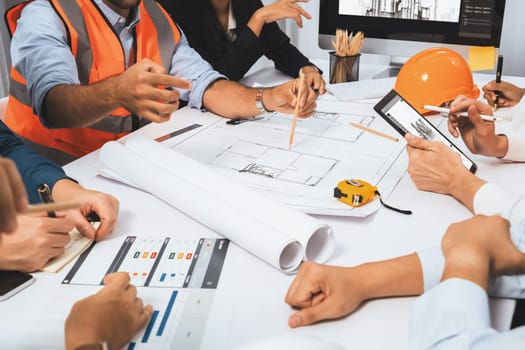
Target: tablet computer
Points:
(405, 119)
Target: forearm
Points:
(257, 22)
(65, 189)
(400, 276)
(464, 188)
(231, 100)
(75, 106)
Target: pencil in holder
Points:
(344, 68)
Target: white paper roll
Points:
(272, 246)
(315, 237)
(273, 232)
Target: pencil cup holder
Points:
(343, 68)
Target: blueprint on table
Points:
(326, 150)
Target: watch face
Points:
(258, 101)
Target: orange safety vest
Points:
(99, 55)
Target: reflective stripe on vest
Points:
(99, 55)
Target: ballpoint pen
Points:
(499, 68)
(489, 118)
(45, 195)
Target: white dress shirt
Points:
(455, 314)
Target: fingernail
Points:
(296, 321)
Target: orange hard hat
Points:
(434, 77)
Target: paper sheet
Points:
(78, 244)
(276, 234)
(326, 150)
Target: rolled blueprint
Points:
(271, 231)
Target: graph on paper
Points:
(177, 276)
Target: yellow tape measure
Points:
(355, 192)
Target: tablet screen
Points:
(405, 119)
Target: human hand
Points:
(479, 135)
(313, 78)
(36, 240)
(434, 167)
(278, 10)
(322, 292)
(480, 246)
(115, 314)
(144, 90)
(13, 196)
(509, 96)
(283, 98)
(104, 205)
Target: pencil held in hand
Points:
(296, 112)
(50, 207)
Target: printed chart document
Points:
(278, 235)
(326, 150)
(178, 276)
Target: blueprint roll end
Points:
(291, 257)
(320, 245)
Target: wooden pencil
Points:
(296, 112)
(47, 207)
(375, 132)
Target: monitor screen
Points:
(404, 27)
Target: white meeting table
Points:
(249, 301)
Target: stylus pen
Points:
(443, 110)
(499, 68)
(45, 195)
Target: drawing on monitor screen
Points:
(426, 10)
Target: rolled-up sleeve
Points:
(42, 56)
(188, 64)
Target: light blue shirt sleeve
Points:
(40, 52)
(489, 200)
(455, 315)
(188, 64)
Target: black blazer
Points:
(199, 22)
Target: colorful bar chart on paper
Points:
(178, 277)
(156, 262)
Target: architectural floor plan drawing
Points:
(275, 163)
(326, 150)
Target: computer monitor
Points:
(401, 28)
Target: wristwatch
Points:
(259, 101)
